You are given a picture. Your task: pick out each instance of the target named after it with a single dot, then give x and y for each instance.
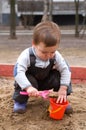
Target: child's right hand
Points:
(32, 91)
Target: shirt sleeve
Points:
(20, 68)
(62, 66)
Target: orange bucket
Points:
(57, 110)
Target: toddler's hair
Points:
(47, 32)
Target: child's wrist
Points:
(26, 89)
(63, 87)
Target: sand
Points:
(37, 116)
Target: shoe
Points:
(69, 110)
(19, 108)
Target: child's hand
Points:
(62, 94)
(32, 91)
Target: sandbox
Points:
(37, 116)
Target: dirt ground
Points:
(73, 49)
(37, 118)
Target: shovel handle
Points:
(23, 93)
(45, 94)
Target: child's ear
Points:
(33, 43)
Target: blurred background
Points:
(26, 14)
(18, 18)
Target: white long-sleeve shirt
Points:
(23, 63)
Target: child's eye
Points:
(52, 52)
(44, 52)
(48, 52)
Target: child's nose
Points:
(49, 55)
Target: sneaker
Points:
(19, 108)
(69, 110)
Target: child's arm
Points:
(63, 68)
(65, 79)
(20, 68)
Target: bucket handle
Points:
(58, 109)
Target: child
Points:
(41, 67)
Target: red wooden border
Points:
(78, 73)
(6, 70)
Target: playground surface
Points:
(73, 49)
(37, 118)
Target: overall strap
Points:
(32, 57)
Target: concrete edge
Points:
(78, 73)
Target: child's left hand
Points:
(62, 94)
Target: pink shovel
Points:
(43, 94)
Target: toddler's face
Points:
(44, 52)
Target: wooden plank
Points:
(78, 73)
